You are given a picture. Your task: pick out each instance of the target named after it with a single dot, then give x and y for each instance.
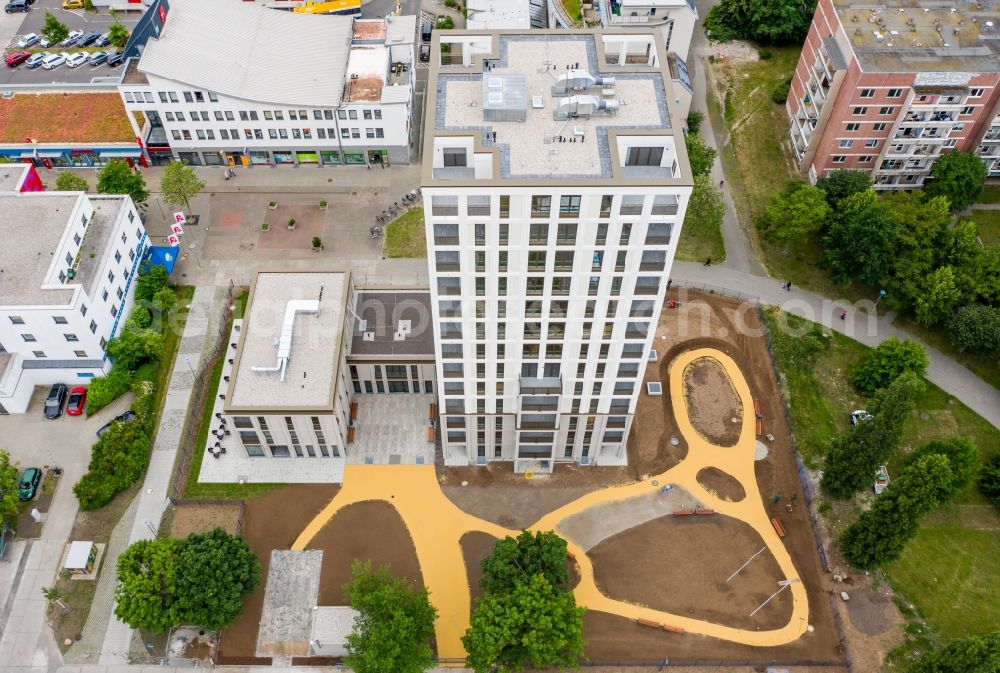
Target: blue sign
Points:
(164, 255)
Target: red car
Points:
(16, 58)
(77, 398)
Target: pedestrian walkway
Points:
(859, 325)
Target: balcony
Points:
(453, 173)
(538, 422)
(540, 404)
(550, 385)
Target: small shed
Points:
(505, 97)
(81, 557)
(330, 628)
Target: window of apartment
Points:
(188, 97)
(894, 93)
(865, 159)
(60, 320)
(80, 354)
(644, 156)
(83, 307)
(114, 311)
(16, 320)
(355, 133)
(976, 93)
(186, 135)
(839, 159)
(179, 116)
(868, 93)
(968, 109)
(950, 143)
(282, 133)
(871, 143)
(163, 96)
(540, 206)
(93, 327)
(878, 127)
(846, 143)
(296, 134)
(454, 156)
(369, 133)
(224, 134)
(176, 135)
(538, 233)
(200, 133)
(321, 133)
(29, 337)
(860, 110)
(569, 206)
(71, 337)
(173, 96)
(632, 204)
(887, 110)
(230, 117)
(38, 354)
(352, 114)
(853, 126)
(211, 134)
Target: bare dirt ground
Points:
(272, 521)
(721, 484)
(368, 531)
(680, 564)
(191, 518)
(712, 402)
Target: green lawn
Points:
(988, 223)
(573, 9)
(951, 571)
(991, 194)
(985, 367)
(699, 241)
(404, 236)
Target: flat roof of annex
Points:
(524, 153)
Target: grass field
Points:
(950, 571)
(404, 237)
(698, 241)
(991, 194)
(988, 222)
(983, 366)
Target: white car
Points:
(28, 40)
(859, 415)
(54, 61)
(45, 43)
(73, 36)
(77, 59)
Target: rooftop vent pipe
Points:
(578, 80)
(284, 343)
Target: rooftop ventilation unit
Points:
(583, 106)
(284, 343)
(577, 80)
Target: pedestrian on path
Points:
(843, 315)
(787, 287)
(708, 261)
(721, 182)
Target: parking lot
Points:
(14, 26)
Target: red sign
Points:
(173, 240)
(138, 141)
(177, 229)
(179, 218)
(163, 14)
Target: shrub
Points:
(989, 479)
(449, 4)
(133, 347)
(963, 458)
(152, 278)
(779, 94)
(976, 328)
(764, 54)
(139, 319)
(883, 364)
(117, 461)
(93, 491)
(106, 389)
(694, 120)
(163, 301)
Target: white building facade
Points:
(260, 87)
(67, 287)
(554, 199)
(673, 19)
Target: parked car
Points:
(72, 38)
(53, 61)
(425, 30)
(859, 415)
(17, 6)
(16, 58)
(27, 487)
(103, 41)
(115, 59)
(127, 417)
(98, 57)
(76, 59)
(45, 43)
(88, 39)
(54, 402)
(72, 4)
(76, 402)
(425, 52)
(36, 59)
(28, 40)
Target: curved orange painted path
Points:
(437, 525)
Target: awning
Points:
(133, 152)
(38, 154)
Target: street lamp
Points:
(881, 293)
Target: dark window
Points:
(644, 156)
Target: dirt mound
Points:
(871, 612)
(721, 484)
(712, 402)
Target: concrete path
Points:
(859, 325)
(596, 524)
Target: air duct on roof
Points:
(310, 306)
(583, 106)
(578, 80)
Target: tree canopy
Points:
(117, 178)
(151, 279)
(53, 29)
(963, 458)
(394, 625)
(700, 155)
(959, 176)
(989, 479)
(179, 184)
(515, 560)
(71, 182)
(841, 183)
(972, 654)
(768, 21)
(859, 242)
(9, 504)
(118, 34)
(144, 596)
(794, 213)
(884, 363)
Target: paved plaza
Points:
(392, 430)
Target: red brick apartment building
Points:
(887, 88)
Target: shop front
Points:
(71, 157)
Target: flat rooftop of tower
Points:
(311, 369)
(511, 96)
(923, 35)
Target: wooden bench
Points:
(683, 512)
(673, 629)
(704, 511)
(778, 528)
(648, 622)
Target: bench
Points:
(778, 528)
(648, 622)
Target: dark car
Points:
(98, 57)
(425, 52)
(88, 39)
(16, 58)
(27, 487)
(17, 6)
(103, 41)
(54, 402)
(425, 30)
(127, 417)
(116, 59)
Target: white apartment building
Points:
(555, 183)
(231, 83)
(67, 266)
(673, 19)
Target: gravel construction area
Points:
(712, 402)
(191, 518)
(721, 484)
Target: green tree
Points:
(535, 625)
(179, 184)
(963, 459)
(884, 363)
(794, 213)
(854, 457)
(939, 296)
(54, 30)
(152, 278)
(879, 535)
(700, 155)
(694, 120)
(989, 479)
(117, 178)
(979, 278)
(922, 224)
(213, 571)
(769, 21)
(858, 245)
(703, 218)
(972, 654)
(144, 595)
(976, 328)
(843, 182)
(958, 176)
(71, 182)
(516, 560)
(394, 623)
(118, 34)
(9, 503)
(134, 346)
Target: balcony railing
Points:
(549, 385)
